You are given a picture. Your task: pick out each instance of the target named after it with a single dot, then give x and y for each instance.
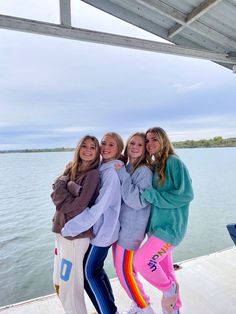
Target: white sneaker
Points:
(146, 310)
(169, 299)
(134, 309)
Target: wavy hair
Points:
(75, 165)
(166, 149)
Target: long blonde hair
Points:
(120, 144)
(75, 165)
(166, 149)
(142, 160)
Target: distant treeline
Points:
(217, 141)
(43, 150)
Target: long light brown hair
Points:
(166, 149)
(75, 166)
(142, 160)
(120, 144)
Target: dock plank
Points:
(207, 285)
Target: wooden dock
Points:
(207, 283)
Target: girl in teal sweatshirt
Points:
(170, 197)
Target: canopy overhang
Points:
(197, 29)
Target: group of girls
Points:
(116, 202)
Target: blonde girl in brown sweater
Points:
(76, 189)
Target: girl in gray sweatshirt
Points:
(134, 215)
(104, 218)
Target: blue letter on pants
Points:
(65, 269)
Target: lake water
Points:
(26, 240)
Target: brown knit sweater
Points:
(69, 205)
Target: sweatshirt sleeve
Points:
(60, 192)
(74, 188)
(108, 194)
(131, 189)
(180, 195)
(79, 203)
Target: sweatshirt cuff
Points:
(146, 195)
(65, 233)
(58, 185)
(74, 188)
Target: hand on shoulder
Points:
(118, 165)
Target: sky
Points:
(53, 91)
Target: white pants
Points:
(68, 273)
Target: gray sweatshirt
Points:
(104, 215)
(134, 213)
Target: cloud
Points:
(74, 129)
(43, 10)
(203, 133)
(52, 90)
(183, 88)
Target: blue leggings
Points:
(96, 282)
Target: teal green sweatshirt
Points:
(170, 202)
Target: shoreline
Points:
(61, 150)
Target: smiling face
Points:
(136, 148)
(87, 151)
(109, 148)
(152, 143)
